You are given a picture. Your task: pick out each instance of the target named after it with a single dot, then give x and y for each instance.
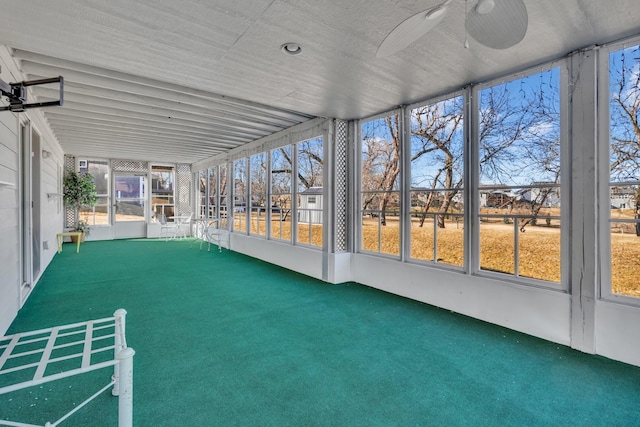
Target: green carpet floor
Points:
(227, 340)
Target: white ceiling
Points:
(182, 80)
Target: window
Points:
(98, 214)
(240, 189)
(258, 191)
(203, 205)
(624, 171)
(212, 198)
(519, 182)
(380, 185)
(281, 186)
(223, 188)
(437, 180)
(162, 197)
(310, 181)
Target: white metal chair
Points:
(175, 229)
(167, 229)
(215, 234)
(180, 221)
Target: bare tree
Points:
(437, 152)
(518, 140)
(281, 180)
(380, 163)
(222, 193)
(624, 126)
(258, 180)
(310, 161)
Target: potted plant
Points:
(79, 191)
(83, 227)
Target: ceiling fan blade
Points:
(410, 30)
(502, 27)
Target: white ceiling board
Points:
(198, 77)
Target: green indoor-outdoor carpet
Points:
(223, 339)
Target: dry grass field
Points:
(538, 249)
(308, 235)
(625, 264)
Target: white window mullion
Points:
(471, 183)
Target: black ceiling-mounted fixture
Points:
(16, 94)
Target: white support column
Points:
(125, 398)
(328, 196)
(583, 237)
(119, 345)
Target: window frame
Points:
(236, 214)
(471, 187)
(295, 201)
(358, 185)
(152, 189)
(605, 291)
(108, 195)
(565, 179)
(260, 211)
(407, 179)
(274, 194)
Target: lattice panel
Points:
(69, 162)
(69, 213)
(130, 166)
(183, 187)
(341, 186)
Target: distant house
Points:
(311, 204)
(549, 197)
(421, 196)
(623, 197)
(496, 198)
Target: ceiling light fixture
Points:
(291, 49)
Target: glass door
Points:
(130, 199)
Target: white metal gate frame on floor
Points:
(59, 344)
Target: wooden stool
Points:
(60, 236)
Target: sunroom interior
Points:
(491, 174)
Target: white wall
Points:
(51, 173)
(51, 215)
(616, 335)
(10, 214)
(539, 312)
(297, 258)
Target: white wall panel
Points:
(617, 335)
(296, 258)
(10, 214)
(539, 312)
(9, 226)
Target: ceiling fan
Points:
(498, 24)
